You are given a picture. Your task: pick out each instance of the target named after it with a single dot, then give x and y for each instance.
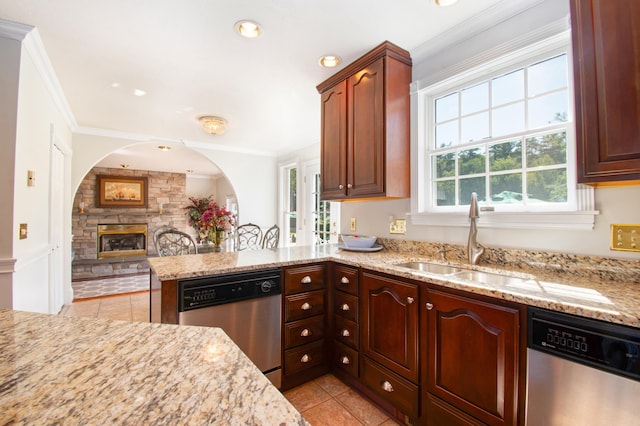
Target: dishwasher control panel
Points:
(603, 345)
(196, 293)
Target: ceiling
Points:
(190, 62)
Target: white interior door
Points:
(322, 218)
(56, 226)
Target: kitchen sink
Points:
(432, 268)
(469, 275)
(489, 278)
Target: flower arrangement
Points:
(208, 219)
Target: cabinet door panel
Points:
(607, 89)
(473, 356)
(333, 173)
(390, 323)
(366, 131)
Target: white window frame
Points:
(577, 213)
(283, 195)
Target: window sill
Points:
(574, 221)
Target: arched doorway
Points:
(163, 177)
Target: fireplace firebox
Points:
(122, 240)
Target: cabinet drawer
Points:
(303, 305)
(304, 331)
(346, 359)
(398, 391)
(346, 279)
(303, 357)
(346, 332)
(346, 306)
(439, 413)
(303, 278)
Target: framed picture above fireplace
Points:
(121, 191)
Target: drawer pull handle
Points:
(345, 360)
(344, 280)
(344, 307)
(349, 185)
(429, 306)
(306, 306)
(305, 358)
(305, 332)
(345, 333)
(410, 300)
(306, 280)
(341, 186)
(386, 386)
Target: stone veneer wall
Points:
(166, 188)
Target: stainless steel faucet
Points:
(474, 249)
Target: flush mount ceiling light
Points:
(249, 29)
(329, 61)
(164, 147)
(213, 125)
(445, 2)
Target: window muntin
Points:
(504, 138)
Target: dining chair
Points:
(271, 237)
(248, 236)
(175, 243)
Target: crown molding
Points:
(14, 30)
(470, 28)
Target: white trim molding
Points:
(8, 265)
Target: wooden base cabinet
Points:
(304, 324)
(345, 315)
(389, 340)
(472, 372)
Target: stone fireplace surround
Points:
(168, 189)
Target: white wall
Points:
(39, 115)
(253, 177)
(10, 51)
(431, 61)
(201, 186)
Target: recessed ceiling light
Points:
(445, 2)
(249, 29)
(124, 166)
(115, 84)
(330, 61)
(138, 92)
(189, 170)
(164, 147)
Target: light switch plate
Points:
(23, 231)
(625, 237)
(398, 226)
(353, 224)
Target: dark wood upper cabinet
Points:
(365, 127)
(606, 55)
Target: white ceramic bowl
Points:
(359, 241)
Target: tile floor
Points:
(323, 401)
(109, 286)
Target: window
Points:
(321, 214)
(503, 130)
(290, 201)
(504, 138)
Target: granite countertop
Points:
(66, 370)
(591, 287)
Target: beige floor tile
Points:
(390, 422)
(330, 413)
(306, 396)
(361, 408)
(332, 385)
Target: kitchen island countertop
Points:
(64, 370)
(568, 286)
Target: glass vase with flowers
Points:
(211, 222)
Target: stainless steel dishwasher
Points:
(581, 371)
(247, 306)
